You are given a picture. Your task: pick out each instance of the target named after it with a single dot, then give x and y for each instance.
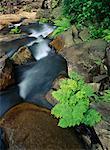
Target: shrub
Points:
(62, 25)
(15, 30)
(89, 12)
(74, 97)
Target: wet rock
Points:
(50, 98)
(55, 86)
(6, 74)
(22, 56)
(58, 43)
(30, 127)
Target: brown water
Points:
(29, 127)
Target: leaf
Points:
(91, 117)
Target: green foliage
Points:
(2, 9)
(55, 3)
(93, 13)
(15, 30)
(74, 97)
(43, 20)
(106, 34)
(62, 25)
(106, 96)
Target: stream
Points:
(33, 80)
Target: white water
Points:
(46, 30)
(41, 48)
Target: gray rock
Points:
(84, 34)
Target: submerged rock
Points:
(30, 127)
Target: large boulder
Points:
(30, 127)
(86, 57)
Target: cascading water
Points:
(34, 79)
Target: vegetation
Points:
(15, 30)
(43, 20)
(62, 25)
(106, 96)
(94, 14)
(2, 9)
(75, 97)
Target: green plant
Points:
(43, 20)
(15, 30)
(62, 25)
(106, 96)
(95, 13)
(74, 97)
(2, 9)
(106, 35)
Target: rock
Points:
(55, 86)
(68, 38)
(56, 13)
(103, 132)
(108, 59)
(99, 78)
(11, 7)
(95, 86)
(28, 126)
(97, 48)
(50, 98)
(9, 37)
(6, 75)
(84, 34)
(22, 56)
(9, 18)
(62, 41)
(47, 4)
(58, 43)
(74, 32)
(75, 59)
(83, 58)
(42, 13)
